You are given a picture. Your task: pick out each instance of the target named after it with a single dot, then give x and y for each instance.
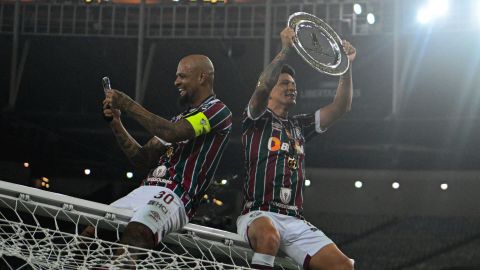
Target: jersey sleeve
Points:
(214, 118)
(310, 124)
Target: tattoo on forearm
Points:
(128, 145)
(269, 76)
(151, 122)
(266, 82)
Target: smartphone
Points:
(106, 86)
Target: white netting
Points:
(40, 230)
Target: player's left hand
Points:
(118, 100)
(349, 50)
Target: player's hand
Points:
(349, 50)
(287, 36)
(118, 100)
(110, 114)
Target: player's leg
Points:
(311, 248)
(89, 231)
(262, 236)
(158, 211)
(138, 235)
(330, 257)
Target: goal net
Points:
(41, 230)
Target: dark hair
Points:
(286, 68)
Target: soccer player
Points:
(273, 152)
(182, 155)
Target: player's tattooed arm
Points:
(154, 124)
(142, 157)
(269, 77)
(267, 80)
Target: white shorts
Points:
(156, 207)
(298, 238)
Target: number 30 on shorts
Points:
(167, 198)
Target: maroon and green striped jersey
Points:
(268, 142)
(188, 167)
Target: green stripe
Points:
(280, 167)
(180, 167)
(246, 126)
(200, 159)
(220, 116)
(293, 179)
(261, 164)
(217, 159)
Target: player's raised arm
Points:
(269, 77)
(143, 157)
(342, 101)
(156, 125)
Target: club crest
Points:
(285, 195)
(160, 171)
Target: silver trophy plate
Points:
(318, 44)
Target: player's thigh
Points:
(164, 212)
(257, 227)
(302, 241)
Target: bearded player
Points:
(182, 155)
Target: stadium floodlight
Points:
(432, 10)
(395, 185)
(307, 183)
(357, 8)
(424, 15)
(370, 18)
(438, 7)
(87, 171)
(358, 184)
(129, 175)
(444, 186)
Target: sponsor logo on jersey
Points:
(297, 130)
(153, 180)
(284, 206)
(274, 144)
(299, 148)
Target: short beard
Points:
(184, 100)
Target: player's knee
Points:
(89, 231)
(345, 264)
(268, 238)
(138, 235)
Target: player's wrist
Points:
(287, 48)
(115, 122)
(347, 75)
(127, 103)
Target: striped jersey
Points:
(268, 141)
(190, 166)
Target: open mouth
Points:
(291, 95)
(181, 92)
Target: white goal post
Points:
(40, 230)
